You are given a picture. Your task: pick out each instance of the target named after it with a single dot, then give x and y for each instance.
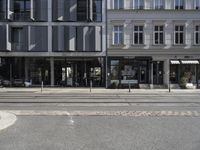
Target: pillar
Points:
(166, 72)
(151, 85)
(52, 71)
(26, 69)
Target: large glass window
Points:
(114, 69)
(17, 39)
(139, 4)
(179, 4)
(159, 4)
(138, 35)
(97, 10)
(2, 9)
(174, 73)
(21, 9)
(197, 4)
(118, 35)
(82, 10)
(179, 35)
(197, 35)
(158, 35)
(118, 4)
(89, 10)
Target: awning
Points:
(190, 62)
(175, 62)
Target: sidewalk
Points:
(96, 90)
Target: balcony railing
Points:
(22, 16)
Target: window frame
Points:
(138, 34)
(118, 32)
(139, 5)
(159, 6)
(197, 32)
(159, 31)
(179, 32)
(179, 6)
(118, 4)
(195, 4)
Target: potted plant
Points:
(185, 80)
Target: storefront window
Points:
(114, 69)
(189, 71)
(174, 73)
(128, 71)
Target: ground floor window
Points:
(188, 71)
(174, 72)
(79, 72)
(128, 70)
(158, 72)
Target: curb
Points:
(6, 120)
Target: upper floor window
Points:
(22, 9)
(138, 35)
(179, 4)
(118, 4)
(197, 35)
(159, 4)
(159, 35)
(118, 35)
(82, 10)
(197, 4)
(139, 4)
(97, 10)
(17, 39)
(179, 35)
(2, 9)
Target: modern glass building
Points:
(59, 42)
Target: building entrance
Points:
(79, 72)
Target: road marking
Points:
(107, 113)
(6, 119)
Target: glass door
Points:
(158, 72)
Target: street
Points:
(102, 121)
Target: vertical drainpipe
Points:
(106, 28)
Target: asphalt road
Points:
(102, 133)
(35, 131)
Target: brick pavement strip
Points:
(107, 113)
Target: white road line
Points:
(6, 119)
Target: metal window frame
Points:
(160, 2)
(179, 4)
(118, 34)
(138, 34)
(154, 32)
(178, 32)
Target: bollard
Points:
(42, 86)
(169, 87)
(129, 87)
(90, 86)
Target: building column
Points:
(52, 71)
(151, 85)
(26, 69)
(166, 72)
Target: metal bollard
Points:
(90, 86)
(129, 87)
(169, 87)
(42, 85)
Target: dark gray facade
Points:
(65, 32)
